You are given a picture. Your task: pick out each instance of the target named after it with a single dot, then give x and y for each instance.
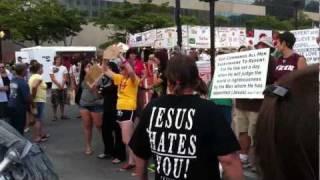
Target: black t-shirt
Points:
(185, 135)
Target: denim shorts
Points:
(96, 108)
(40, 110)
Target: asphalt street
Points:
(66, 150)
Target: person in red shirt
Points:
(136, 62)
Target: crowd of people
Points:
(161, 108)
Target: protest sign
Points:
(241, 75)
(204, 68)
(230, 37)
(306, 44)
(93, 76)
(199, 37)
(166, 37)
(112, 52)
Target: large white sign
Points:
(241, 75)
(230, 37)
(192, 37)
(199, 37)
(306, 44)
(166, 38)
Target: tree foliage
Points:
(268, 22)
(40, 20)
(271, 22)
(133, 18)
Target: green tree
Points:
(304, 22)
(133, 18)
(40, 20)
(221, 21)
(269, 22)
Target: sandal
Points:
(40, 140)
(88, 152)
(127, 167)
(116, 161)
(45, 136)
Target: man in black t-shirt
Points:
(187, 137)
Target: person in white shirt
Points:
(204, 56)
(58, 75)
(75, 75)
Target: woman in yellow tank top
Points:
(38, 89)
(127, 82)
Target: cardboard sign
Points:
(241, 75)
(112, 52)
(93, 76)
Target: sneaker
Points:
(127, 167)
(103, 156)
(245, 162)
(152, 168)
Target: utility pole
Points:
(212, 4)
(296, 5)
(178, 23)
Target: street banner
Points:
(261, 34)
(166, 37)
(199, 37)
(241, 75)
(148, 38)
(192, 37)
(306, 44)
(226, 37)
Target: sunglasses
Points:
(1, 67)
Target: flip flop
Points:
(88, 152)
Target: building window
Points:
(95, 2)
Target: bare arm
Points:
(35, 88)
(141, 168)
(108, 72)
(65, 80)
(232, 166)
(129, 68)
(302, 63)
(4, 88)
(53, 79)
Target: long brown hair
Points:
(287, 133)
(182, 73)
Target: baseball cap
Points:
(265, 40)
